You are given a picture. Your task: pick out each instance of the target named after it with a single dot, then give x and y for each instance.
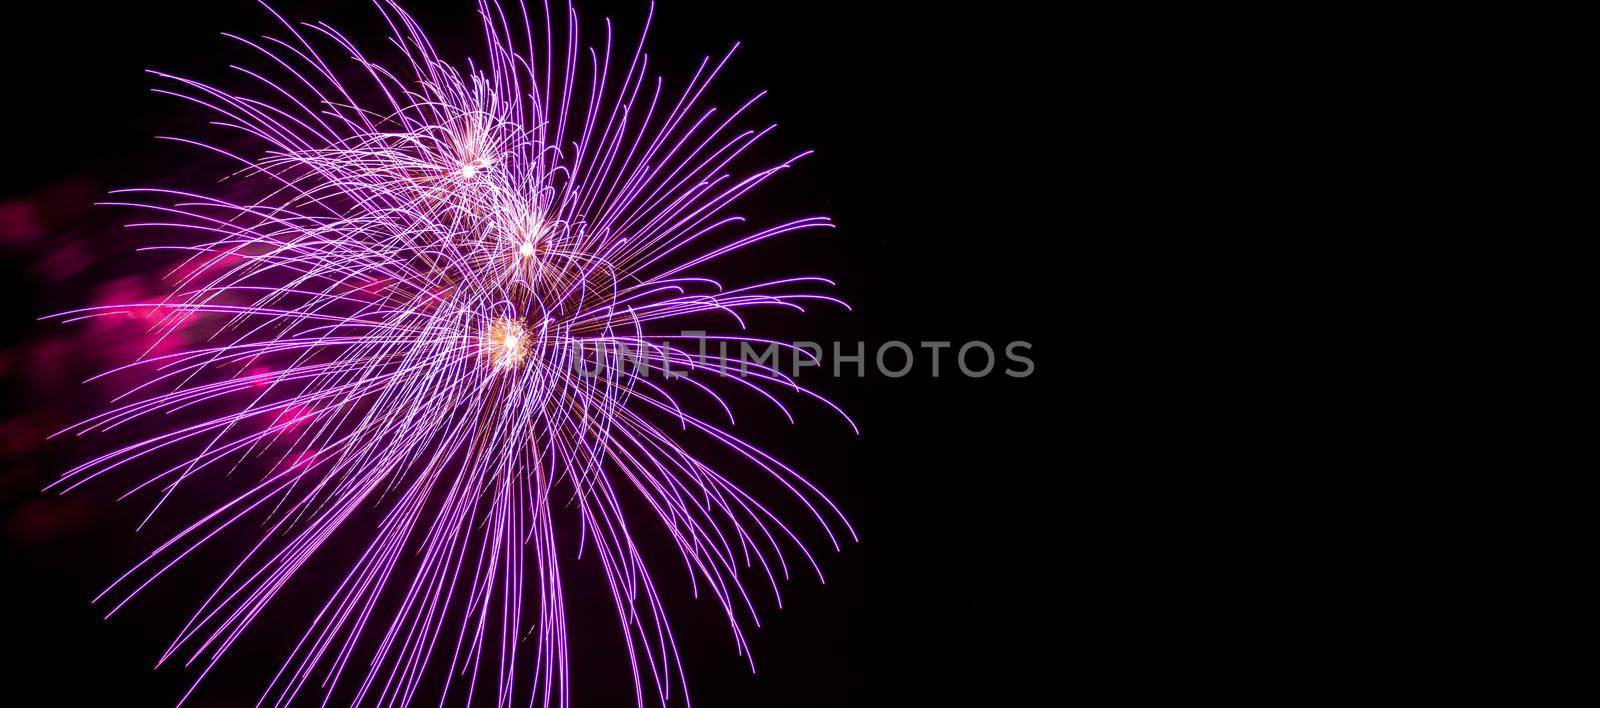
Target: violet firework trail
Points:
(431, 343)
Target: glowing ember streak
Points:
(506, 343)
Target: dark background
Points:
(937, 133)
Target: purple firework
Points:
(438, 334)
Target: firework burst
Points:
(433, 331)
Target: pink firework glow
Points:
(439, 335)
